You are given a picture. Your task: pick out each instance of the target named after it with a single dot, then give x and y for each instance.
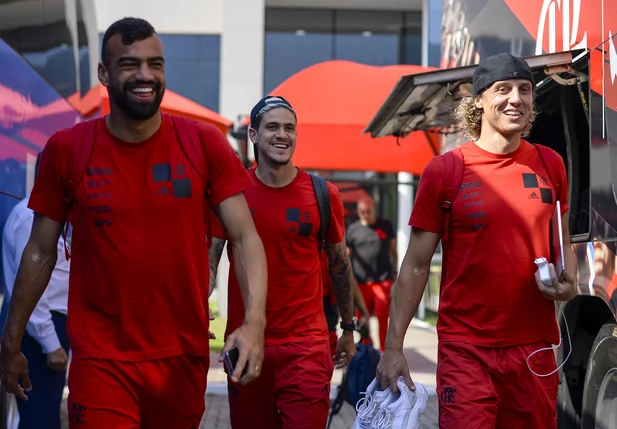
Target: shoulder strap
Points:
(188, 136)
(453, 177)
(552, 167)
(81, 149)
(323, 203)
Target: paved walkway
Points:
(217, 415)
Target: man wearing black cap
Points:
(494, 313)
(293, 390)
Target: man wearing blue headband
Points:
(293, 390)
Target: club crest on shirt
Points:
(303, 229)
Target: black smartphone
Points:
(231, 359)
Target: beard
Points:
(139, 111)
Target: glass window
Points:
(368, 37)
(298, 38)
(42, 38)
(412, 39)
(192, 67)
(290, 32)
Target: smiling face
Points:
(507, 106)
(276, 136)
(134, 75)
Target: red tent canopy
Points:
(97, 98)
(335, 100)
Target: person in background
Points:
(45, 343)
(330, 309)
(371, 243)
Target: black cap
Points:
(270, 100)
(499, 67)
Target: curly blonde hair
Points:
(469, 118)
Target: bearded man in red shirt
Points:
(138, 290)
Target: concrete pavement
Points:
(217, 415)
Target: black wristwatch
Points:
(349, 326)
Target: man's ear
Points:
(477, 101)
(103, 75)
(253, 135)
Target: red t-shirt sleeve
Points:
(49, 192)
(427, 213)
(226, 174)
(336, 232)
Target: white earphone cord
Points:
(560, 305)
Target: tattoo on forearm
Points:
(340, 273)
(214, 257)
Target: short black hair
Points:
(131, 30)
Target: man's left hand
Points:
(249, 339)
(561, 290)
(345, 350)
(211, 334)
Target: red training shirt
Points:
(499, 224)
(287, 220)
(139, 275)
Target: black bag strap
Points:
(323, 203)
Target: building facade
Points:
(222, 54)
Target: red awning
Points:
(335, 100)
(175, 104)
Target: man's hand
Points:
(211, 334)
(13, 368)
(561, 290)
(392, 365)
(249, 339)
(345, 350)
(58, 360)
(364, 318)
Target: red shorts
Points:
(292, 391)
(158, 394)
(484, 387)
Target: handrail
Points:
(8, 194)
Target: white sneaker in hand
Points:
(403, 409)
(368, 407)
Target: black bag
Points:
(323, 203)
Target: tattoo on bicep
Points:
(340, 273)
(214, 257)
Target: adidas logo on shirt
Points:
(533, 196)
